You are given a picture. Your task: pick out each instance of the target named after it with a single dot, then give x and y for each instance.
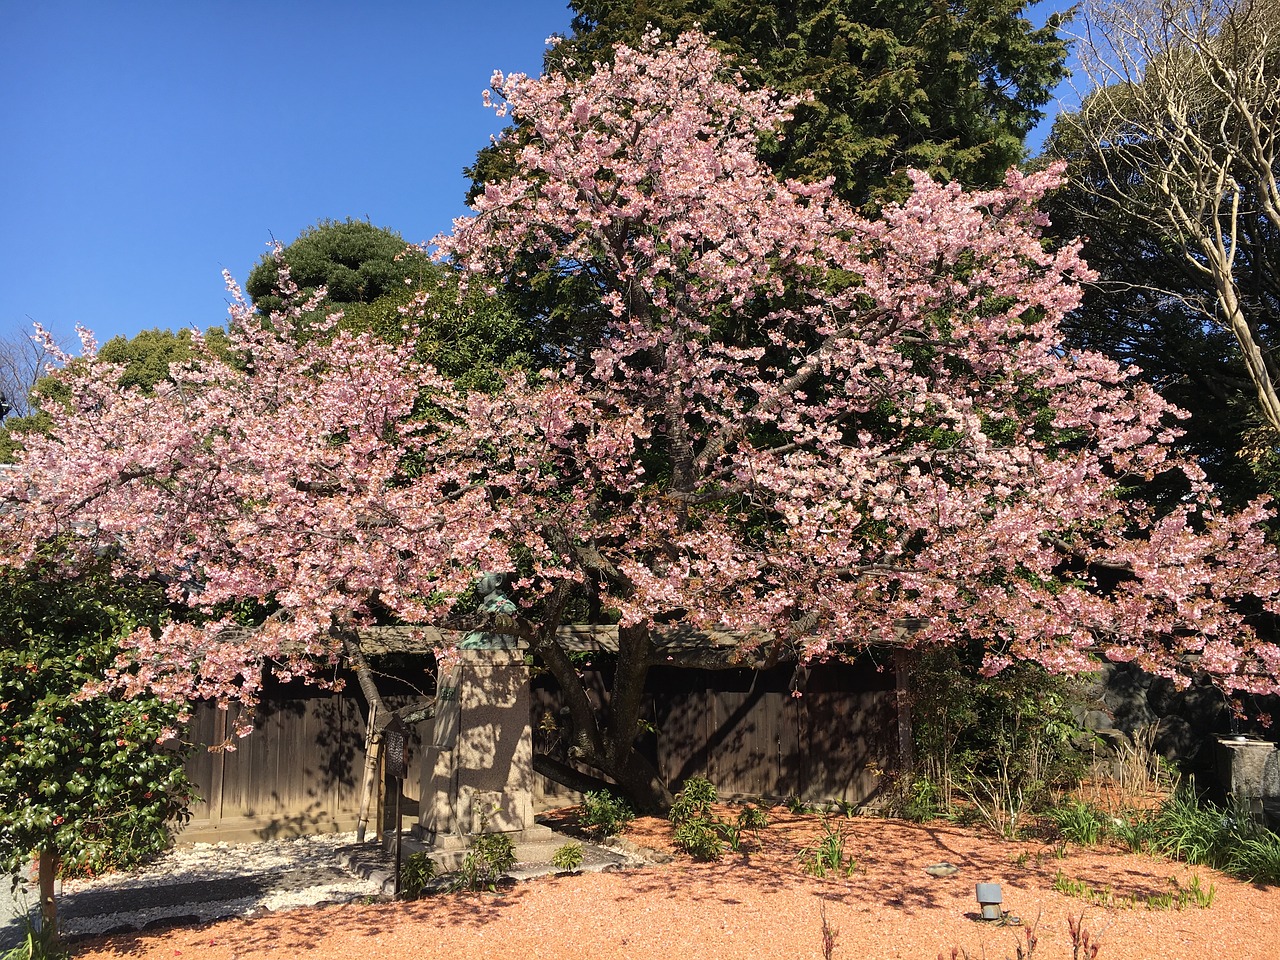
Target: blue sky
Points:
(148, 145)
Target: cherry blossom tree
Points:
(791, 426)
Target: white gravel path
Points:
(222, 861)
(211, 881)
(294, 873)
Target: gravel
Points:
(760, 905)
(203, 882)
(210, 881)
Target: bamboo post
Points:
(372, 747)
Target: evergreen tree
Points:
(950, 88)
(377, 281)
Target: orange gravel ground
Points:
(758, 905)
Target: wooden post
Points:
(372, 747)
(906, 740)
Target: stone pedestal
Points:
(477, 773)
(1249, 771)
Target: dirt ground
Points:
(759, 904)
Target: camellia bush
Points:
(788, 432)
(84, 779)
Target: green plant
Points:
(1189, 829)
(753, 819)
(1013, 735)
(1078, 823)
(39, 942)
(1196, 894)
(918, 800)
(693, 801)
(1186, 829)
(827, 855)
(1178, 897)
(1068, 886)
(1255, 856)
(416, 874)
(604, 814)
(701, 838)
(491, 855)
(797, 806)
(730, 832)
(567, 857)
(846, 808)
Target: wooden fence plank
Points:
(744, 730)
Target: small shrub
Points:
(693, 801)
(496, 848)
(1078, 823)
(491, 855)
(919, 800)
(827, 855)
(416, 873)
(700, 837)
(753, 819)
(568, 857)
(797, 806)
(604, 814)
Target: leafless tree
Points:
(23, 359)
(1178, 129)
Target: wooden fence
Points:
(746, 732)
(299, 772)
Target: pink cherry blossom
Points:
(895, 432)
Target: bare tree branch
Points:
(1179, 130)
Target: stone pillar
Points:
(1249, 772)
(478, 772)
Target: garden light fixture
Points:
(989, 898)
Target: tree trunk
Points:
(1255, 356)
(47, 872)
(641, 783)
(605, 740)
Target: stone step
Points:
(533, 857)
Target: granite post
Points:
(478, 770)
